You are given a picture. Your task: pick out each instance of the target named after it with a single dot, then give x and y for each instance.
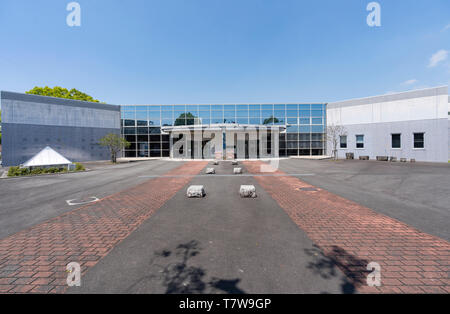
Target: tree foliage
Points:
(271, 120)
(115, 143)
(185, 119)
(60, 92)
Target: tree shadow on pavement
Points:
(328, 265)
(174, 272)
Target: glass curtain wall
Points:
(306, 125)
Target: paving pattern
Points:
(354, 236)
(34, 260)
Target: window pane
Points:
(396, 141)
(292, 120)
(130, 122)
(343, 141)
(419, 140)
(305, 121)
(292, 113)
(242, 113)
(359, 141)
(167, 114)
(304, 113)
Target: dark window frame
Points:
(394, 140)
(422, 141)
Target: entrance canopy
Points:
(224, 127)
(47, 157)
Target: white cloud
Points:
(410, 82)
(438, 57)
(446, 27)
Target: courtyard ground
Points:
(313, 228)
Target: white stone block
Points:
(196, 191)
(210, 171)
(248, 191)
(237, 171)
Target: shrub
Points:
(79, 167)
(13, 171)
(36, 171)
(52, 170)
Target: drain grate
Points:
(308, 189)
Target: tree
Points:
(60, 92)
(115, 144)
(271, 120)
(334, 133)
(185, 119)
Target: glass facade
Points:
(305, 125)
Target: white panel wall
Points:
(377, 118)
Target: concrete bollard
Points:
(234, 163)
(210, 171)
(237, 171)
(403, 159)
(248, 191)
(196, 191)
(216, 163)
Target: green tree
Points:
(185, 119)
(115, 143)
(60, 92)
(271, 120)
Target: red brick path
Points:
(353, 236)
(34, 260)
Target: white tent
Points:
(47, 157)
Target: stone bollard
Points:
(216, 163)
(248, 191)
(210, 171)
(413, 160)
(403, 160)
(363, 157)
(234, 163)
(393, 159)
(237, 171)
(196, 191)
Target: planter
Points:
(364, 158)
(350, 156)
(382, 158)
(393, 159)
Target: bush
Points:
(79, 167)
(13, 171)
(17, 171)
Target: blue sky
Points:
(225, 51)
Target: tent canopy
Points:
(47, 157)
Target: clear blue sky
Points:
(224, 51)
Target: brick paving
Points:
(34, 260)
(352, 236)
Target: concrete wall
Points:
(406, 113)
(73, 128)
